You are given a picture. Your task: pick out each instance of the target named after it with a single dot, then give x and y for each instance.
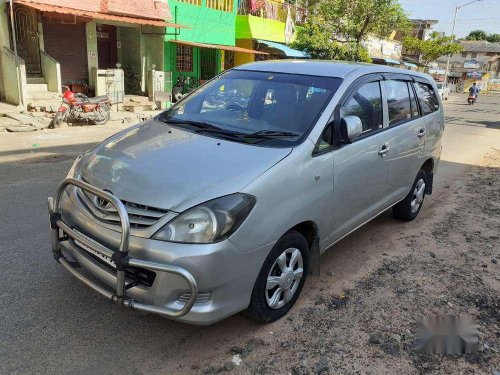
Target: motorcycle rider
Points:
(474, 90)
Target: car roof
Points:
(325, 68)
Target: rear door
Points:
(361, 168)
(405, 135)
(432, 114)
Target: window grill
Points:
(184, 58)
(192, 2)
(222, 5)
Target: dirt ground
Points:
(445, 265)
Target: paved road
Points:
(50, 323)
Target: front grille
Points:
(139, 215)
(139, 276)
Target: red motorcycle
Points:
(79, 107)
(471, 99)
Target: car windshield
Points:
(269, 109)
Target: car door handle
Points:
(421, 133)
(384, 149)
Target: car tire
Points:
(408, 208)
(278, 284)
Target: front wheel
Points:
(281, 279)
(409, 207)
(56, 120)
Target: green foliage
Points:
(432, 48)
(493, 38)
(476, 35)
(482, 35)
(336, 28)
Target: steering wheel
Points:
(235, 107)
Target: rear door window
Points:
(398, 101)
(427, 97)
(413, 101)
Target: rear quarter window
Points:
(427, 97)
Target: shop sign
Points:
(472, 64)
(474, 74)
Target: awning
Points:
(392, 61)
(384, 61)
(289, 52)
(218, 46)
(411, 65)
(96, 15)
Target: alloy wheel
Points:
(418, 196)
(284, 278)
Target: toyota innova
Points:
(225, 202)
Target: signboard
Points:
(494, 84)
(437, 71)
(474, 74)
(472, 64)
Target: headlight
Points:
(72, 172)
(208, 222)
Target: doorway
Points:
(208, 63)
(28, 45)
(107, 53)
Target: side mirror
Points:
(350, 127)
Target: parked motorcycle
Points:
(471, 99)
(79, 107)
(183, 86)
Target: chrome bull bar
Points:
(120, 258)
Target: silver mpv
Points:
(225, 202)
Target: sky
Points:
(483, 15)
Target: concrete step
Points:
(138, 107)
(35, 80)
(41, 95)
(37, 87)
(44, 105)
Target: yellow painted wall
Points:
(243, 58)
(260, 28)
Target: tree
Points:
(335, 29)
(493, 38)
(432, 48)
(477, 35)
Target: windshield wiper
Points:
(270, 134)
(205, 128)
(196, 124)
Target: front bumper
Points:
(215, 280)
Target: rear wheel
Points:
(409, 207)
(281, 279)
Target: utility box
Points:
(156, 88)
(110, 82)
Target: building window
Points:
(184, 58)
(464, 54)
(473, 54)
(222, 5)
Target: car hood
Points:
(162, 166)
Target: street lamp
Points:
(446, 72)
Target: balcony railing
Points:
(273, 10)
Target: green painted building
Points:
(198, 50)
